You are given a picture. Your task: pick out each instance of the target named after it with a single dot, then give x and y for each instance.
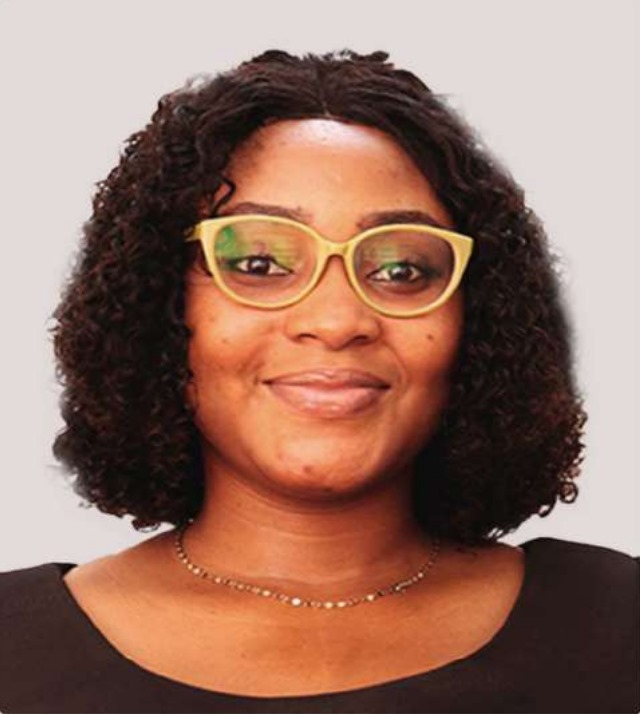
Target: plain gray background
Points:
(551, 87)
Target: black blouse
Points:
(570, 644)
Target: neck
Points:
(324, 548)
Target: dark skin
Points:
(321, 507)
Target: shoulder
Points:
(577, 623)
(26, 589)
(32, 602)
(593, 575)
(34, 622)
(569, 561)
(588, 595)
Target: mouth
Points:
(331, 378)
(328, 392)
(326, 401)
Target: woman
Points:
(315, 327)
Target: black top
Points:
(570, 644)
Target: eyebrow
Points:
(381, 218)
(296, 214)
(371, 220)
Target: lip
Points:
(331, 379)
(326, 402)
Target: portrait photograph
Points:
(319, 366)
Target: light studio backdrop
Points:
(550, 86)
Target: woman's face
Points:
(335, 177)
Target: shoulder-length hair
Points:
(509, 442)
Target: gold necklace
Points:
(295, 601)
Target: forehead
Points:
(317, 164)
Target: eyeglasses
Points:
(269, 262)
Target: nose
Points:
(333, 313)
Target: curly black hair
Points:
(509, 443)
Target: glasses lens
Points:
(264, 261)
(404, 269)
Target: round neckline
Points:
(112, 655)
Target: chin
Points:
(320, 479)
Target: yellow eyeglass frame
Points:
(206, 231)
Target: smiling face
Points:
(302, 441)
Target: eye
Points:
(400, 273)
(257, 265)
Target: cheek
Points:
(431, 345)
(224, 346)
